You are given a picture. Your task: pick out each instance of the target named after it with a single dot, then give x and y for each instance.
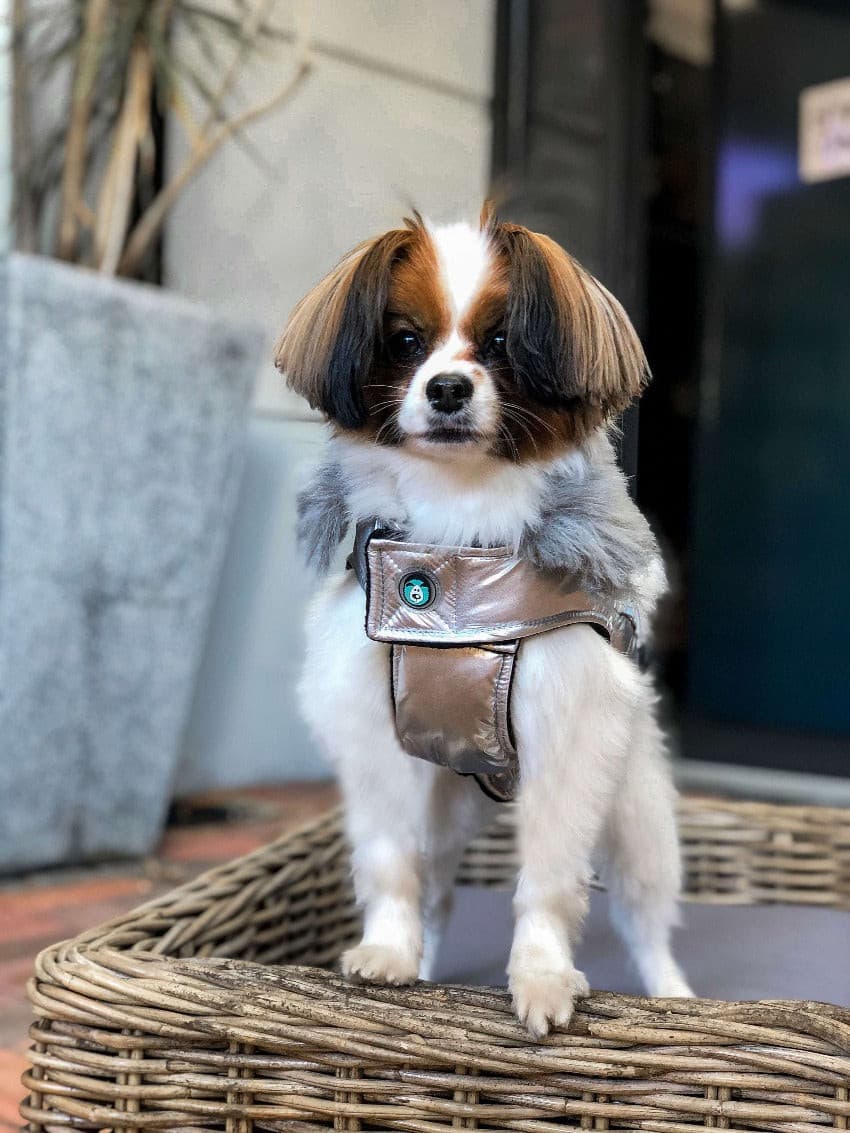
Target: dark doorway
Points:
(769, 603)
(676, 182)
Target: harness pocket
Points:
(452, 705)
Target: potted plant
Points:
(122, 417)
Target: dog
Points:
(472, 375)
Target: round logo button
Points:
(418, 590)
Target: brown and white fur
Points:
(533, 358)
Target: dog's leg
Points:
(572, 703)
(459, 810)
(387, 866)
(643, 855)
(387, 797)
(345, 698)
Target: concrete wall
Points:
(395, 115)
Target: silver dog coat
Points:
(455, 618)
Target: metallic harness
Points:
(455, 618)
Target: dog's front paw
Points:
(380, 964)
(544, 999)
(672, 985)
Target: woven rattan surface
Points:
(207, 1009)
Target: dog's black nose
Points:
(448, 392)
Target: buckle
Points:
(366, 530)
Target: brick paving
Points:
(40, 909)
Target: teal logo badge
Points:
(418, 590)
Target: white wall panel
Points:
(351, 153)
(244, 725)
(395, 115)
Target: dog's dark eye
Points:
(496, 346)
(404, 345)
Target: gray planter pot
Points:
(122, 421)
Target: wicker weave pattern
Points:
(171, 1017)
(740, 853)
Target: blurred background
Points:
(175, 174)
(225, 153)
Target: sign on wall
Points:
(825, 131)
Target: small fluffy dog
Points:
(470, 375)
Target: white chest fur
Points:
(458, 502)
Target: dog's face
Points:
(455, 340)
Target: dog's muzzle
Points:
(455, 618)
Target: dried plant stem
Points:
(118, 187)
(151, 221)
(250, 29)
(24, 205)
(74, 169)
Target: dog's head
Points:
(456, 339)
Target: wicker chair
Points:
(209, 1009)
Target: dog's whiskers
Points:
(516, 419)
(503, 432)
(533, 417)
(389, 425)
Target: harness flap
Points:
(453, 709)
(450, 596)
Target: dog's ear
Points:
(568, 339)
(328, 346)
(487, 218)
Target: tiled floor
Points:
(50, 906)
